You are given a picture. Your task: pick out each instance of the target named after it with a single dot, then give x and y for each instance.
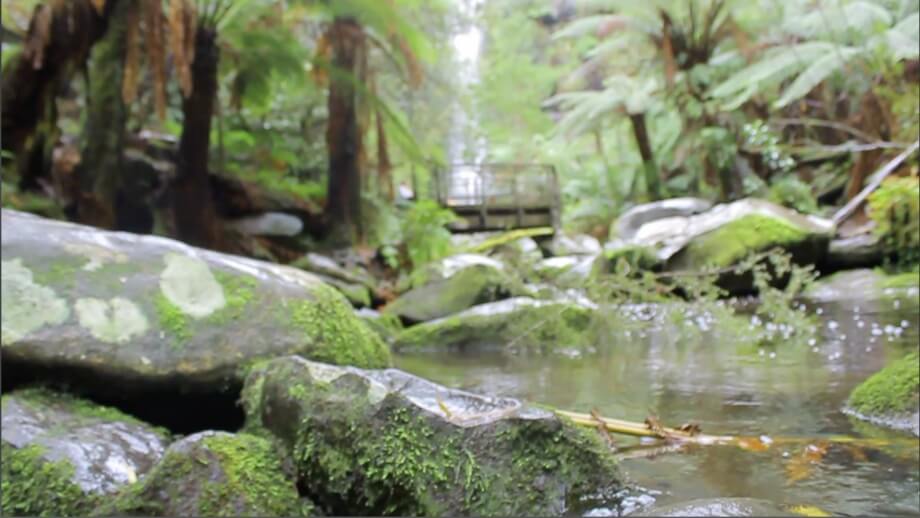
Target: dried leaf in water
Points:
(602, 428)
(808, 510)
(690, 428)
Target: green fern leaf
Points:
(815, 73)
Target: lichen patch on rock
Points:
(188, 284)
(114, 321)
(26, 306)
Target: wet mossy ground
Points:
(892, 391)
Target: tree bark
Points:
(193, 206)
(343, 134)
(106, 117)
(61, 33)
(652, 180)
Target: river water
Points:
(785, 390)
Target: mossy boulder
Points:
(388, 443)
(628, 223)
(519, 324)
(864, 285)
(357, 285)
(122, 313)
(386, 326)
(452, 285)
(891, 396)
(727, 234)
(213, 474)
(61, 455)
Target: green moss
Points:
(389, 458)
(528, 327)
(34, 486)
(226, 475)
(239, 291)
(254, 473)
(173, 320)
(635, 256)
(61, 274)
(337, 335)
(736, 240)
(909, 279)
(892, 390)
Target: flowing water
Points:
(789, 390)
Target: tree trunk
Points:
(99, 170)
(61, 33)
(652, 180)
(343, 134)
(384, 167)
(193, 207)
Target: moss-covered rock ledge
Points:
(213, 474)
(62, 455)
(126, 312)
(891, 396)
(387, 443)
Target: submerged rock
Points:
(891, 396)
(389, 443)
(454, 284)
(626, 226)
(120, 313)
(213, 474)
(718, 507)
(519, 323)
(61, 454)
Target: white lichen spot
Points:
(114, 321)
(376, 392)
(325, 373)
(97, 255)
(26, 306)
(188, 283)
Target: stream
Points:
(790, 390)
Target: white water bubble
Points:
(819, 311)
(772, 355)
(905, 324)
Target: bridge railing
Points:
(494, 191)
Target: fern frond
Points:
(815, 73)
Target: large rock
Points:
(891, 396)
(579, 244)
(213, 474)
(863, 285)
(62, 454)
(728, 233)
(388, 443)
(122, 313)
(626, 226)
(519, 323)
(454, 284)
(268, 224)
(856, 251)
(326, 266)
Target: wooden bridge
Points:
(499, 196)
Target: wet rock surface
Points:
(626, 226)
(863, 284)
(452, 285)
(579, 244)
(119, 313)
(519, 323)
(93, 451)
(213, 474)
(386, 442)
